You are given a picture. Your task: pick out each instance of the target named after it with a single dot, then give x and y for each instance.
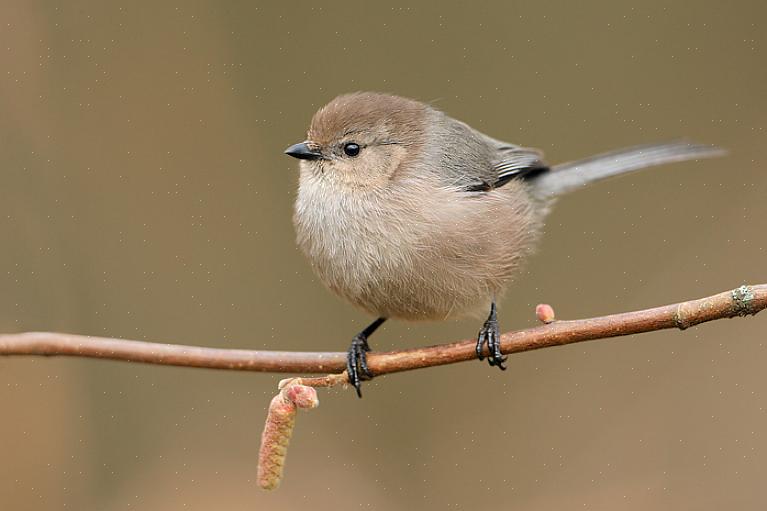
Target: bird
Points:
(411, 214)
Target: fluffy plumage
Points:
(432, 218)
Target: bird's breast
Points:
(355, 241)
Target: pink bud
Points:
(545, 313)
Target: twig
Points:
(743, 301)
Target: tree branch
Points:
(743, 301)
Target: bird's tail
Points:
(571, 176)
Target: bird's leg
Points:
(490, 335)
(356, 357)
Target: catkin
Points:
(278, 429)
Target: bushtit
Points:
(408, 213)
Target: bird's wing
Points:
(475, 162)
(511, 162)
(522, 162)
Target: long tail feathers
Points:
(570, 176)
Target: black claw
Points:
(356, 357)
(363, 359)
(481, 339)
(351, 370)
(494, 346)
(357, 364)
(489, 335)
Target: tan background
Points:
(144, 194)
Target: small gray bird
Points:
(408, 213)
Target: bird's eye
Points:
(351, 149)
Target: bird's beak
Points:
(302, 151)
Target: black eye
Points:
(351, 149)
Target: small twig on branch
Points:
(743, 301)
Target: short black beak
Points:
(302, 152)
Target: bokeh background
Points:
(144, 194)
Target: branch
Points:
(743, 301)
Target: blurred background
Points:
(144, 194)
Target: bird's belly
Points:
(368, 265)
(418, 265)
(398, 281)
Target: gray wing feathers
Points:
(465, 158)
(570, 176)
(514, 161)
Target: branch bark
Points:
(743, 301)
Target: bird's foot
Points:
(490, 335)
(356, 362)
